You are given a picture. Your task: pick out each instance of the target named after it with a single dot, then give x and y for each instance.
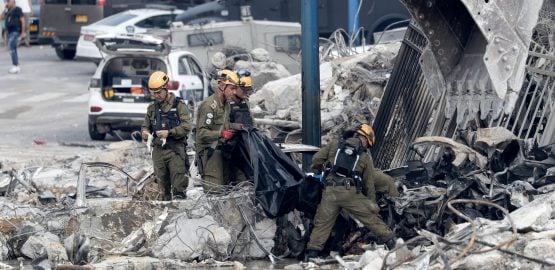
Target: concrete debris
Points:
(187, 239)
(372, 259)
(481, 199)
(263, 69)
(463, 153)
(536, 213)
(543, 249)
(350, 89)
(489, 179)
(293, 267)
(3, 248)
(5, 266)
(42, 242)
(265, 230)
(207, 228)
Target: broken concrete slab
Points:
(489, 261)
(371, 259)
(40, 242)
(543, 249)
(535, 213)
(265, 231)
(124, 263)
(520, 193)
(186, 239)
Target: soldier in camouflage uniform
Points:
(216, 126)
(169, 121)
(349, 173)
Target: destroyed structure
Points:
(464, 119)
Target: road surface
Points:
(45, 103)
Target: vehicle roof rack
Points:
(161, 6)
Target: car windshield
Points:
(116, 19)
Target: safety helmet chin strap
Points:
(223, 90)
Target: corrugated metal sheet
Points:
(406, 107)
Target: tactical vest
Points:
(240, 114)
(166, 120)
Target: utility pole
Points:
(353, 21)
(310, 77)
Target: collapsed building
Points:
(463, 114)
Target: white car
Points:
(118, 97)
(137, 21)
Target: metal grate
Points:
(406, 105)
(534, 117)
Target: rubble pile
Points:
(258, 61)
(487, 202)
(45, 218)
(351, 89)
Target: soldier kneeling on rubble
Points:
(349, 173)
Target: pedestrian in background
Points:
(27, 9)
(3, 25)
(15, 26)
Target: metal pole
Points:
(353, 21)
(310, 77)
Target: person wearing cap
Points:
(349, 177)
(168, 119)
(217, 124)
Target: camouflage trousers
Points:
(218, 172)
(356, 204)
(169, 168)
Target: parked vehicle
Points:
(34, 22)
(374, 16)
(130, 21)
(282, 40)
(118, 96)
(61, 20)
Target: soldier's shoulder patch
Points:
(214, 105)
(208, 121)
(209, 115)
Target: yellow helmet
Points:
(245, 80)
(228, 77)
(368, 133)
(158, 80)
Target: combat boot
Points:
(311, 253)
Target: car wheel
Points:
(65, 54)
(94, 134)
